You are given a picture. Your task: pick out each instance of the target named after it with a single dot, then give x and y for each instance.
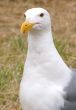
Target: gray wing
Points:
(70, 98)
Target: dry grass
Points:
(13, 46)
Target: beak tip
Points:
(25, 27)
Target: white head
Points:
(39, 17)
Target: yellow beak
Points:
(26, 26)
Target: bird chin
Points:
(37, 27)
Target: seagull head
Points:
(37, 19)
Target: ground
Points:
(13, 45)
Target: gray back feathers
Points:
(70, 98)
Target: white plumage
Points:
(45, 74)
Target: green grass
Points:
(67, 49)
(12, 55)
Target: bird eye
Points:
(24, 16)
(42, 14)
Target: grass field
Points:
(13, 45)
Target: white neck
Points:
(39, 41)
(43, 56)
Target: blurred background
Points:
(13, 45)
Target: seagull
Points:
(47, 82)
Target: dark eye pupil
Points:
(41, 15)
(24, 15)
